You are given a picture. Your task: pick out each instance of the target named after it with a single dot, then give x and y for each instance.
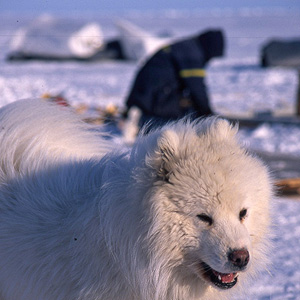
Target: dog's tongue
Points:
(225, 278)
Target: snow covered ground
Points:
(237, 85)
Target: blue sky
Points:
(124, 5)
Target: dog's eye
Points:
(243, 214)
(205, 218)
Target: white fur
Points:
(81, 218)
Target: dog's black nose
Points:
(239, 257)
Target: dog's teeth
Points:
(236, 275)
(219, 277)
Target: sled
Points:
(267, 119)
(289, 186)
(285, 169)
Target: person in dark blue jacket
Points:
(170, 85)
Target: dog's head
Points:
(209, 203)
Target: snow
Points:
(283, 282)
(237, 85)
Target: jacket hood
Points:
(212, 42)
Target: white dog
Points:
(182, 215)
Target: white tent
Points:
(48, 37)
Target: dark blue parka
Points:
(171, 83)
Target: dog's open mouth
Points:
(221, 280)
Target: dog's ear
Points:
(218, 129)
(164, 158)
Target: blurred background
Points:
(237, 83)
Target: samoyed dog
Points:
(182, 215)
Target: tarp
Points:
(137, 43)
(284, 53)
